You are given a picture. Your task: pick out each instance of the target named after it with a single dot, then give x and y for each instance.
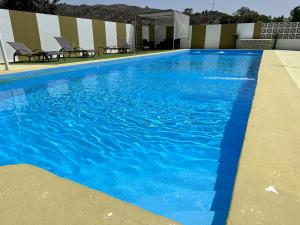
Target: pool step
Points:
(176, 202)
(199, 218)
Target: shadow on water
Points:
(231, 145)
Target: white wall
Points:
(85, 33)
(130, 35)
(111, 34)
(212, 36)
(48, 26)
(288, 44)
(244, 30)
(190, 37)
(185, 43)
(145, 33)
(7, 34)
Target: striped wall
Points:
(69, 30)
(111, 33)
(99, 33)
(130, 35)
(222, 36)
(37, 31)
(7, 33)
(85, 33)
(25, 28)
(198, 36)
(48, 27)
(245, 30)
(227, 39)
(212, 36)
(121, 35)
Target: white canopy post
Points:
(174, 25)
(3, 52)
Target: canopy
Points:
(180, 21)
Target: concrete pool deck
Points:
(32, 196)
(267, 187)
(23, 67)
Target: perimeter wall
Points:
(37, 31)
(222, 35)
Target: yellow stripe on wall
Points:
(139, 35)
(227, 39)
(257, 30)
(198, 36)
(25, 28)
(69, 30)
(99, 34)
(121, 35)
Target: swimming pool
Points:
(161, 132)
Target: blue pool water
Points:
(161, 132)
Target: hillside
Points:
(126, 14)
(119, 12)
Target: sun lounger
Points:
(23, 50)
(114, 49)
(66, 47)
(108, 49)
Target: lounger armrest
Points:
(78, 48)
(37, 51)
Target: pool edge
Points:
(35, 196)
(50, 66)
(267, 184)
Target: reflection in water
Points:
(58, 88)
(6, 102)
(113, 76)
(90, 82)
(12, 99)
(20, 98)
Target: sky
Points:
(267, 7)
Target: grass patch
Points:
(73, 59)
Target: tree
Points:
(245, 15)
(278, 19)
(225, 19)
(295, 14)
(41, 6)
(188, 11)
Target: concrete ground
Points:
(291, 61)
(26, 66)
(32, 196)
(267, 188)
